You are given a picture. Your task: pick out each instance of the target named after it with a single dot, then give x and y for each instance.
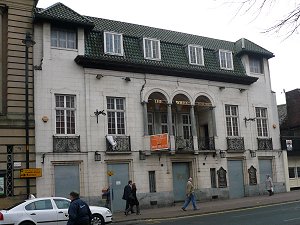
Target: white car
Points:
(49, 211)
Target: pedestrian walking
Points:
(79, 212)
(190, 195)
(269, 185)
(126, 193)
(133, 201)
(106, 195)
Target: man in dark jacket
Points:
(79, 212)
(127, 191)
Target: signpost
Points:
(110, 173)
(31, 173)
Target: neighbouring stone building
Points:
(289, 118)
(15, 22)
(154, 106)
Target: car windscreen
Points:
(13, 206)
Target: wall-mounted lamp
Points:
(248, 119)
(127, 79)
(97, 113)
(97, 156)
(221, 88)
(223, 154)
(99, 76)
(253, 153)
(43, 158)
(242, 90)
(45, 119)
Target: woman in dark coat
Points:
(133, 201)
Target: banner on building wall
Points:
(159, 142)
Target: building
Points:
(16, 132)
(289, 117)
(118, 101)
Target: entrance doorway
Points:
(180, 176)
(236, 179)
(118, 181)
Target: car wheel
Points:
(97, 219)
(27, 223)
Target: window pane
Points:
(54, 38)
(155, 49)
(232, 120)
(109, 42)
(117, 43)
(62, 39)
(60, 122)
(61, 204)
(298, 172)
(148, 48)
(213, 178)
(111, 122)
(291, 172)
(71, 40)
(110, 103)
(152, 181)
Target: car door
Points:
(42, 212)
(62, 206)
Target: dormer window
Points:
(63, 38)
(151, 49)
(113, 43)
(256, 65)
(226, 61)
(196, 55)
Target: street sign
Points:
(31, 173)
(110, 173)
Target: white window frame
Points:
(67, 33)
(114, 51)
(228, 61)
(262, 122)
(116, 111)
(65, 109)
(151, 50)
(199, 59)
(232, 121)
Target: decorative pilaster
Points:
(194, 131)
(145, 115)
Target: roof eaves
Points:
(137, 67)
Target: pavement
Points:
(212, 206)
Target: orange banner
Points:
(159, 141)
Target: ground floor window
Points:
(152, 181)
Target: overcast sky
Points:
(209, 18)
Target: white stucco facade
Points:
(61, 75)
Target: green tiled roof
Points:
(174, 56)
(61, 13)
(244, 46)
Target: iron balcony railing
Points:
(120, 144)
(66, 144)
(235, 143)
(264, 144)
(206, 143)
(184, 145)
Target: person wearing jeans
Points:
(190, 195)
